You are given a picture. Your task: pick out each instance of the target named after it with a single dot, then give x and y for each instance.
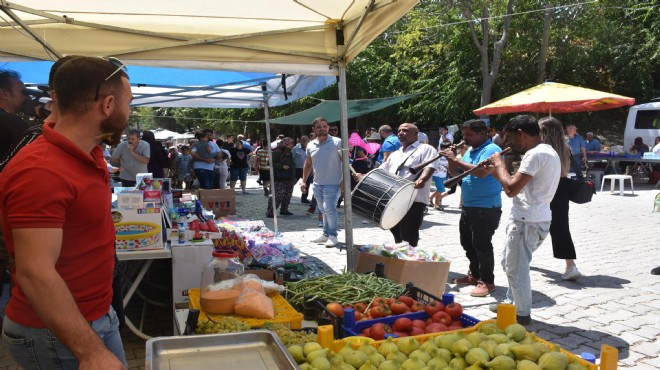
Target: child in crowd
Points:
(184, 165)
(439, 178)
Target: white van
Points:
(643, 121)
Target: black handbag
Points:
(580, 191)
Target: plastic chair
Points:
(622, 179)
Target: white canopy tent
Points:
(305, 37)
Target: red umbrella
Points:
(551, 97)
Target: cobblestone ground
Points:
(617, 301)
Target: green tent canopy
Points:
(329, 109)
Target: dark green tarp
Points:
(329, 109)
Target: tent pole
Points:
(270, 156)
(348, 204)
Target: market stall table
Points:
(145, 258)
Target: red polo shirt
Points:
(52, 183)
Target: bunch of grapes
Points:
(226, 324)
(290, 337)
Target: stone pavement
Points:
(617, 302)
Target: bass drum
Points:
(383, 198)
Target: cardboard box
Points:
(221, 201)
(429, 276)
(263, 274)
(138, 229)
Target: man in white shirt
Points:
(532, 188)
(445, 135)
(411, 153)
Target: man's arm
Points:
(138, 157)
(427, 173)
(36, 252)
(511, 185)
(307, 170)
(455, 163)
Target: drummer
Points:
(411, 153)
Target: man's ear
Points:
(107, 105)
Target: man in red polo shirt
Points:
(55, 211)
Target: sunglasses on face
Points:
(115, 62)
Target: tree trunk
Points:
(543, 55)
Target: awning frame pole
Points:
(270, 156)
(348, 204)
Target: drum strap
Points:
(398, 169)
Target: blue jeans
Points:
(35, 348)
(205, 178)
(326, 198)
(238, 173)
(522, 239)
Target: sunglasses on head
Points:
(115, 62)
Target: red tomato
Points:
(407, 300)
(429, 321)
(390, 301)
(358, 315)
(416, 331)
(360, 306)
(335, 308)
(402, 324)
(377, 331)
(441, 317)
(401, 334)
(376, 312)
(379, 301)
(398, 308)
(365, 332)
(436, 327)
(455, 327)
(417, 306)
(419, 324)
(455, 310)
(433, 307)
(456, 322)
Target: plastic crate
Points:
(325, 317)
(284, 313)
(505, 316)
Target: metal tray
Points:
(254, 350)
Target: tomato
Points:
(436, 327)
(365, 332)
(400, 334)
(358, 315)
(417, 306)
(398, 308)
(433, 307)
(376, 312)
(419, 324)
(441, 317)
(379, 301)
(407, 300)
(390, 301)
(456, 322)
(416, 331)
(402, 324)
(429, 321)
(377, 331)
(455, 310)
(335, 309)
(360, 307)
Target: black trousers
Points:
(562, 241)
(476, 227)
(408, 228)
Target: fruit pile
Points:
(226, 324)
(384, 307)
(487, 348)
(290, 337)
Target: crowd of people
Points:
(61, 244)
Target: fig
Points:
(387, 347)
(515, 332)
(407, 345)
(553, 361)
(356, 358)
(311, 347)
(527, 365)
(461, 347)
(477, 355)
(525, 352)
(413, 363)
(501, 363)
(297, 353)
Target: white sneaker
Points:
(321, 239)
(571, 273)
(332, 242)
(320, 224)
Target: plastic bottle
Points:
(223, 271)
(182, 228)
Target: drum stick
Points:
(454, 180)
(417, 168)
(349, 166)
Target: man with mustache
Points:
(132, 156)
(62, 240)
